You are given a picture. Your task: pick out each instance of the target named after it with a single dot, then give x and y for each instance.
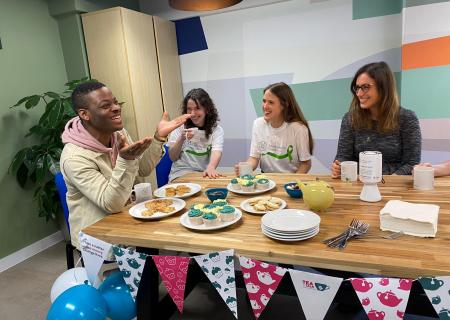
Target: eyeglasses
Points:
(364, 88)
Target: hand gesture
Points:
(166, 126)
(236, 170)
(134, 150)
(336, 169)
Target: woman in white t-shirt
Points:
(281, 139)
(198, 144)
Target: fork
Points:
(356, 228)
(391, 236)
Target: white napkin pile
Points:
(413, 219)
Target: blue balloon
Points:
(116, 293)
(81, 302)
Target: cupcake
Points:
(195, 217)
(198, 206)
(210, 219)
(262, 184)
(220, 202)
(235, 184)
(247, 185)
(247, 177)
(260, 176)
(227, 213)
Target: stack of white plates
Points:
(290, 224)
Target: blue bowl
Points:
(294, 193)
(216, 193)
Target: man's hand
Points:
(134, 150)
(166, 126)
(211, 173)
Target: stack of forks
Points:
(356, 228)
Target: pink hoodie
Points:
(75, 133)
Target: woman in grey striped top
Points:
(376, 122)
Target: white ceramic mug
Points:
(349, 171)
(142, 192)
(245, 168)
(423, 178)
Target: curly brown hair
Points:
(202, 98)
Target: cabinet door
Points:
(169, 66)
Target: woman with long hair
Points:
(377, 122)
(198, 145)
(281, 139)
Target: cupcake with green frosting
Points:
(195, 216)
(210, 219)
(227, 213)
(247, 185)
(262, 184)
(235, 184)
(247, 177)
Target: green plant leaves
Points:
(32, 101)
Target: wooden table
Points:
(406, 256)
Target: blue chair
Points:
(62, 190)
(163, 168)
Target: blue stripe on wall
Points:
(190, 35)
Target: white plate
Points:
(245, 205)
(289, 234)
(185, 222)
(136, 210)
(272, 185)
(290, 239)
(161, 192)
(290, 220)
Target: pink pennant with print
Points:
(261, 281)
(173, 271)
(383, 298)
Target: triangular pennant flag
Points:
(131, 264)
(173, 271)
(219, 268)
(438, 291)
(383, 297)
(315, 292)
(94, 252)
(261, 280)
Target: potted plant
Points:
(40, 162)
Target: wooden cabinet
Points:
(136, 56)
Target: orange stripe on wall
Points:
(426, 53)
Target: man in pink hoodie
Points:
(99, 161)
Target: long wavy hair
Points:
(202, 98)
(389, 104)
(291, 109)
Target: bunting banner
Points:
(438, 292)
(261, 280)
(173, 271)
(219, 268)
(315, 292)
(383, 298)
(131, 264)
(94, 252)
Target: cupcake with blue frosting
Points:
(195, 216)
(262, 184)
(247, 185)
(211, 219)
(235, 184)
(227, 213)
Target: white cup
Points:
(423, 178)
(349, 171)
(142, 192)
(194, 131)
(245, 168)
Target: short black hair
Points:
(81, 91)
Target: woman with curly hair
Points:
(198, 145)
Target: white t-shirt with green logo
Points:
(196, 154)
(279, 149)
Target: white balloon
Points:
(68, 279)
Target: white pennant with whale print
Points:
(219, 268)
(315, 292)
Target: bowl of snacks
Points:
(216, 193)
(293, 189)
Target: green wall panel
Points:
(363, 9)
(413, 3)
(31, 61)
(427, 91)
